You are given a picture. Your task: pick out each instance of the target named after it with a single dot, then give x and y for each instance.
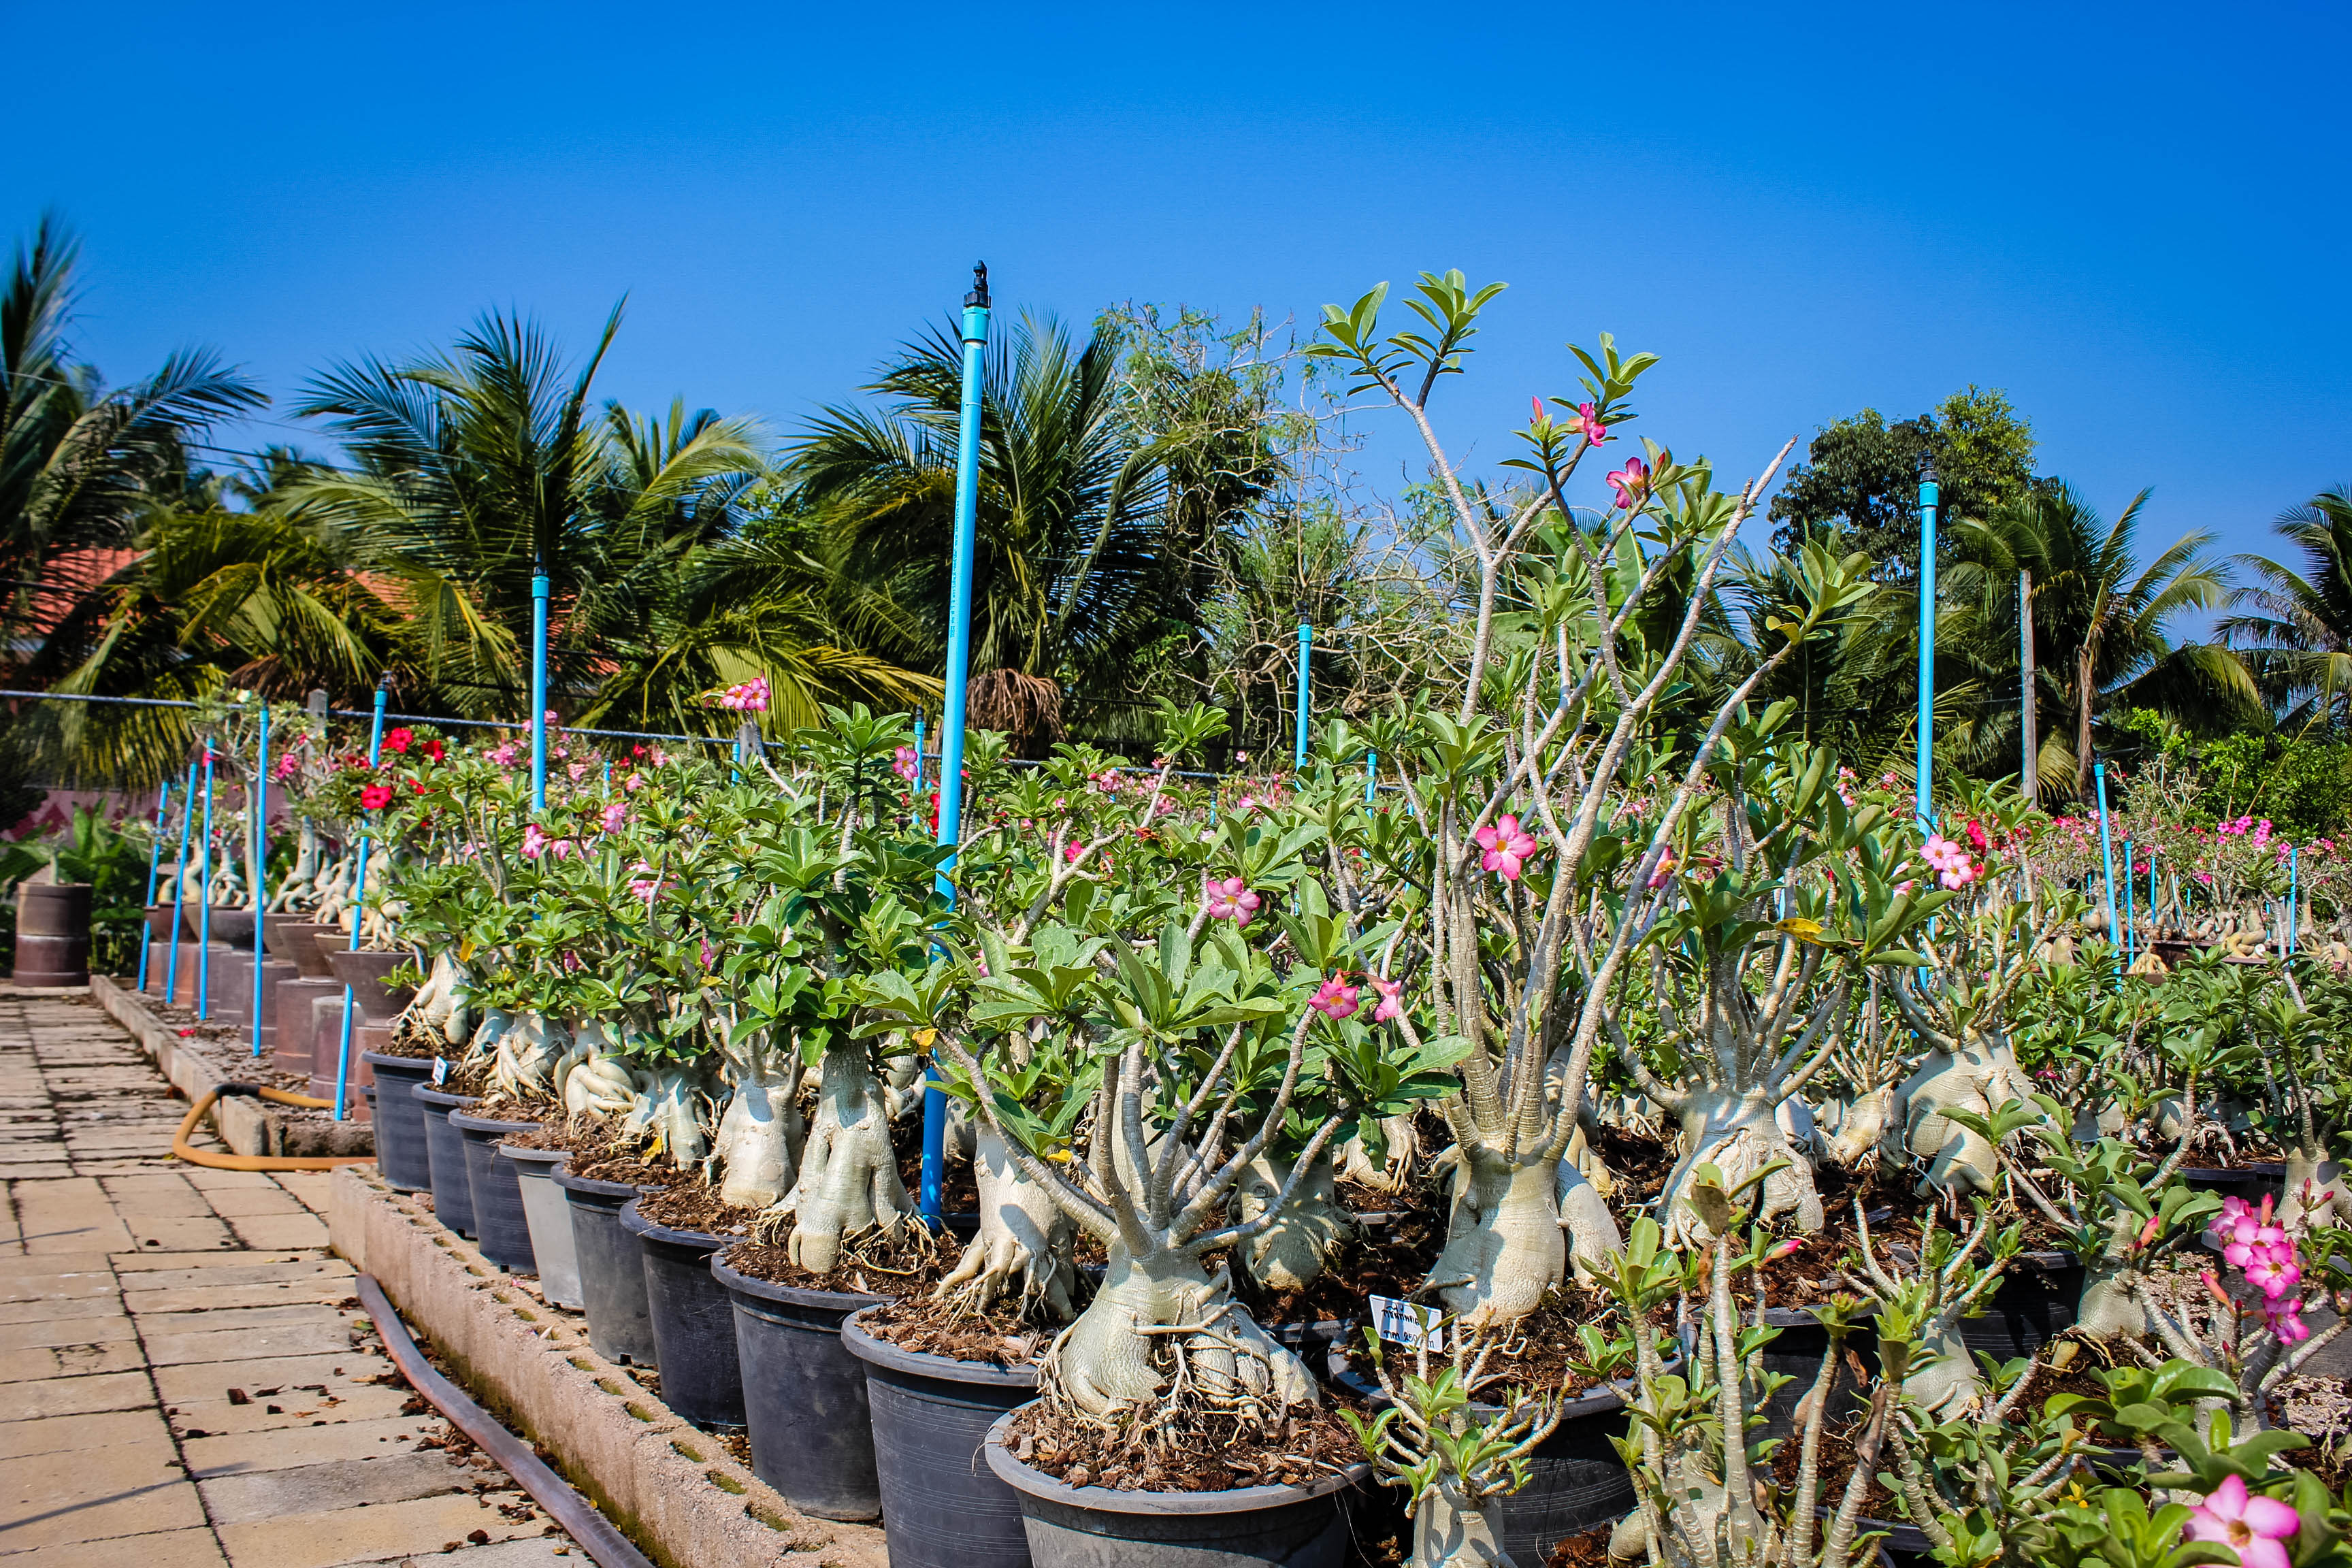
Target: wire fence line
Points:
(524, 725)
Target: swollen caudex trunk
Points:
(1393, 1171)
(1592, 1229)
(589, 1080)
(1739, 1134)
(1291, 1253)
(527, 1053)
(1504, 1246)
(435, 1016)
(2111, 1302)
(1113, 1358)
(669, 1109)
(1980, 1078)
(1450, 1531)
(848, 1177)
(1867, 1130)
(2315, 1193)
(759, 1143)
(1024, 1244)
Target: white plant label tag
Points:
(440, 1071)
(1407, 1323)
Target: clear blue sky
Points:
(2131, 217)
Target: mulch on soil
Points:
(691, 1205)
(870, 1265)
(1002, 1335)
(1203, 1453)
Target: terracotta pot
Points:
(378, 1003)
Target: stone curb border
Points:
(671, 1488)
(247, 1126)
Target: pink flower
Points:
(1072, 850)
(1231, 899)
(1507, 847)
(633, 783)
(660, 757)
(286, 768)
(1587, 418)
(706, 954)
(507, 754)
(615, 815)
(2273, 1275)
(1334, 1000)
(571, 961)
(1977, 840)
(577, 772)
(2285, 1319)
(534, 841)
(1391, 1006)
(646, 886)
(2253, 1526)
(1631, 482)
(904, 766)
(748, 697)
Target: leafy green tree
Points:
(2293, 624)
(80, 465)
(1861, 477)
(2103, 624)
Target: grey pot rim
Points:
(787, 1295)
(638, 1225)
(380, 1060)
(534, 1156)
(923, 1363)
(1150, 1504)
(596, 1188)
(485, 1125)
(429, 1095)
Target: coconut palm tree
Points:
(2294, 627)
(81, 466)
(2103, 624)
(212, 601)
(1074, 559)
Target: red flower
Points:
(417, 785)
(398, 740)
(375, 798)
(435, 750)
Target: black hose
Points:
(578, 1517)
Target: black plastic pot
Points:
(2034, 1304)
(693, 1325)
(942, 1507)
(804, 1404)
(1097, 1526)
(453, 1198)
(2229, 1181)
(1798, 1352)
(1575, 1479)
(612, 1269)
(400, 1153)
(501, 1228)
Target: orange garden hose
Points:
(195, 1156)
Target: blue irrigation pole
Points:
(538, 695)
(1306, 652)
(260, 806)
(918, 762)
(154, 865)
(180, 886)
(205, 891)
(951, 713)
(1930, 495)
(1372, 774)
(2130, 919)
(2294, 855)
(2107, 855)
(359, 897)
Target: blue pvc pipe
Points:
(918, 761)
(2130, 917)
(180, 886)
(359, 918)
(204, 889)
(1306, 651)
(1372, 774)
(260, 804)
(2107, 856)
(2294, 857)
(1930, 496)
(952, 716)
(538, 699)
(154, 865)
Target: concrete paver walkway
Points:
(187, 1380)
